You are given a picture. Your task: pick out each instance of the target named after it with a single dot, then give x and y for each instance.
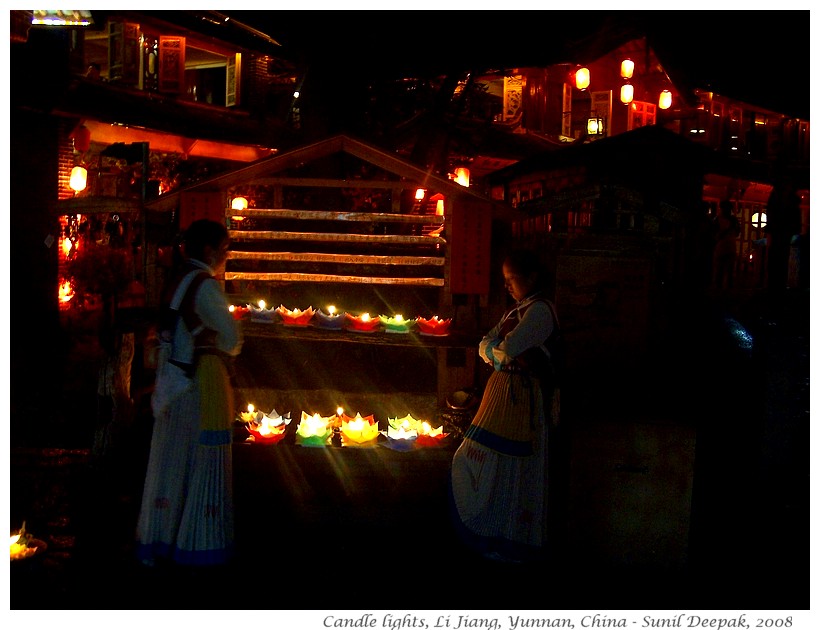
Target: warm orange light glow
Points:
(420, 193)
(582, 78)
(462, 174)
(665, 100)
(239, 203)
(66, 292)
(78, 179)
(627, 93)
(627, 68)
(68, 245)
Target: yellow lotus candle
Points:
(360, 429)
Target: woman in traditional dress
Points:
(499, 472)
(186, 514)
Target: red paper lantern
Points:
(82, 139)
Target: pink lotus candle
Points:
(362, 323)
(434, 326)
(295, 317)
(360, 429)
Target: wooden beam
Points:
(337, 258)
(317, 277)
(321, 182)
(324, 237)
(338, 215)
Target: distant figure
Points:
(186, 515)
(499, 473)
(724, 257)
(783, 222)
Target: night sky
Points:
(760, 57)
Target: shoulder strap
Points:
(186, 307)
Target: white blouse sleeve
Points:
(533, 329)
(212, 308)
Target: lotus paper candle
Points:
(400, 433)
(270, 428)
(395, 324)
(24, 545)
(261, 313)
(295, 317)
(359, 430)
(428, 436)
(362, 323)
(239, 312)
(433, 327)
(313, 430)
(330, 320)
(250, 415)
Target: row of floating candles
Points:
(317, 430)
(332, 319)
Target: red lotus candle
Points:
(270, 428)
(362, 323)
(433, 327)
(239, 312)
(428, 436)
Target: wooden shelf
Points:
(309, 333)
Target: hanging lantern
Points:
(82, 139)
(665, 100)
(239, 203)
(78, 179)
(627, 93)
(582, 78)
(627, 68)
(420, 192)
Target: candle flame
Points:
(262, 303)
(331, 310)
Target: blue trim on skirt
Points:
(500, 444)
(148, 553)
(216, 438)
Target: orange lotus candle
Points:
(295, 317)
(434, 326)
(428, 436)
(360, 429)
(362, 323)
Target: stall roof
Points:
(401, 168)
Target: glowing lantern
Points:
(295, 317)
(627, 93)
(665, 100)
(66, 293)
(627, 68)
(359, 430)
(395, 324)
(82, 139)
(313, 430)
(420, 192)
(582, 78)
(362, 323)
(239, 203)
(433, 327)
(78, 179)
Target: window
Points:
(641, 114)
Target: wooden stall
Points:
(343, 223)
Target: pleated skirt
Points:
(499, 472)
(186, 514)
